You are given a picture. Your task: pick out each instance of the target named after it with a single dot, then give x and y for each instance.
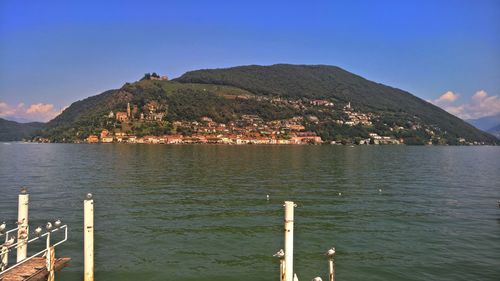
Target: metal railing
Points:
(5, 250)
(7, 233)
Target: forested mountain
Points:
(495, 131)
(485, 123)
(14, 131)
(323, 81)
(326, 100)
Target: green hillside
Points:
(179, 102)
(322, 81)
(284, 94)
(14, 131)
(495, 131)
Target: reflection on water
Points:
(180, 212)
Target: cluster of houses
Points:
(150, 112)
(376, 139)
(356, 118)
(298, 138)
(248, 129)
(353, 117)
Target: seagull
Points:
(268, 197)
(57, 223)
(9, 242)
(380, 190)
(279, 254)
(2, 227)
(317, 279)
(23, 234)
(38, 231)
(340, 193)
(331, 252)
(48, 226)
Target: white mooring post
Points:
(50, 254)
(281, 255)
(331, 276)
(331, 263)
(88, 229)
(22, 221)
(282, 270)
(289, 207)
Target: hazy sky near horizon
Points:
(53, 53)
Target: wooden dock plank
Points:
(33, 270)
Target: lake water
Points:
(196, 212)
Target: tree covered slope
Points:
(14, 131)
(322, 81)
(273, 93)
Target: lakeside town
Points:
(155, 110)
(248, 129)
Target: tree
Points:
(147, 76)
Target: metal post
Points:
(289, 207)
(88, 229)
(51, 263)
(49, 257)
(282, 270)
(22, 220)
(331, 263)
(331, 267)
(4, 257)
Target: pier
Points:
(33, 270)
(38, 266)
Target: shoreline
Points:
(248, 144)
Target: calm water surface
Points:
(200, 212)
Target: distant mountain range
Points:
(14, 131)
(19, 119)
(490, 124)
(279, 92)
(495, 131)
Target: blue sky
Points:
(53, 53)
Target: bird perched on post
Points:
(331, 252)
(2, 227)
(9, 242)
(38, 231)
(23, 234)
(317, 279)
(279, 254)
(57, 223)
(48, 226)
